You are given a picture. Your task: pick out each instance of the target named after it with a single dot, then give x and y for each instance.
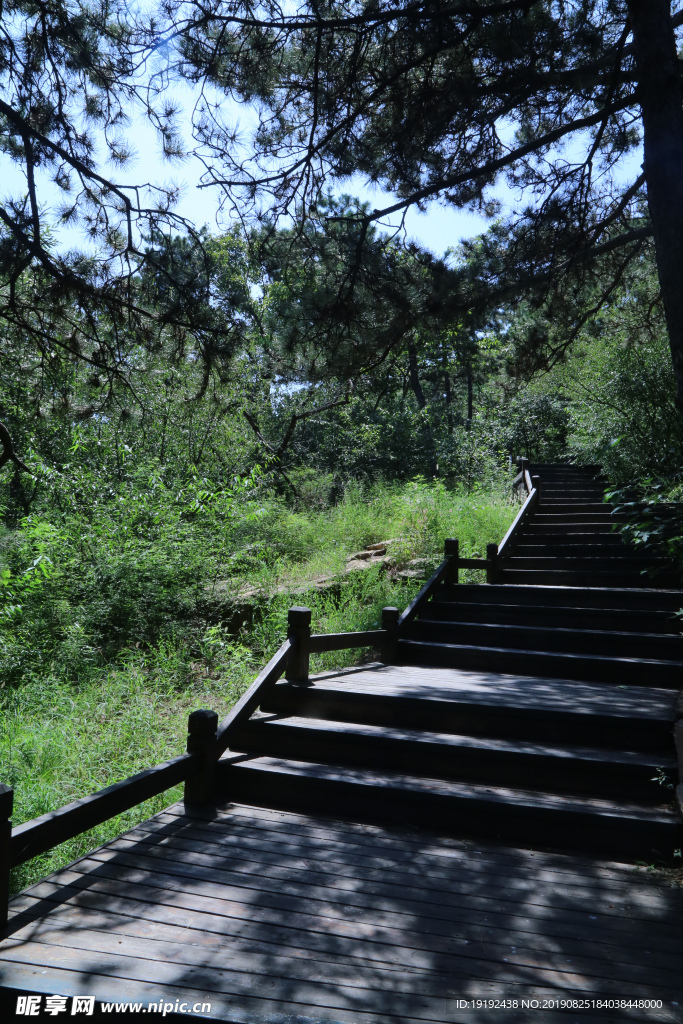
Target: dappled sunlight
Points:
(290, 914)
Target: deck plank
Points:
(350, 901)
(121, 917)
(318, 834)
(279, 914)
(430, 683)
(429, 887)
(383, 934)
(424, 871)
(412, 846)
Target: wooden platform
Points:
(273, 916)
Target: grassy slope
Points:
(65, 734)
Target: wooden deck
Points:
(280, 917)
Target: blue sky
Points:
(440, 227)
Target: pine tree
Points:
(438, 100)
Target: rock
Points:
(372, 550)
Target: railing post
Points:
(492, 563)
(6, 804)
(299, 632)
(390, 626)
(201, 739)
(451, 551)
(536, 483)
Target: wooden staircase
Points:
(570, 539)
(537, 710)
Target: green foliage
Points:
(653, 508)
(116, 570)
(623, 411)
(610, 400)
(536, 426)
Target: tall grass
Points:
(285, 545)
(60, 740)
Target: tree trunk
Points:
(470, 394)
(414, 377)
(448, 396)
(422, 403)
(661, 102)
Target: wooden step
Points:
(561, 549)
(617, 561)
(645, 646)
(582, 543)
(527, 817)
(566, 616)
(586, 519)
(598, 579)
(562, 769)
(561, 665)
(488, 703)
(559, 506)
(568, 490)
(587, 597)
(570, 496)
(534, 528)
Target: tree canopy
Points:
(439, 99)
(434, 100)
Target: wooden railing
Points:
(532, 484)
(496, 554)
(207, 740)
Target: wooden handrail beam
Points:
(250, 700)
(411, 611)
(508, 540)
(321, 642)
(41, 834)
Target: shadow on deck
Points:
(280, 917)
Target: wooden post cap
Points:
(6, 801)
(450, 547)
(491, 550)
(202, 722)
(299, 616)
(389, 617)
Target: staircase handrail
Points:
(529, 506)
(249, 701)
